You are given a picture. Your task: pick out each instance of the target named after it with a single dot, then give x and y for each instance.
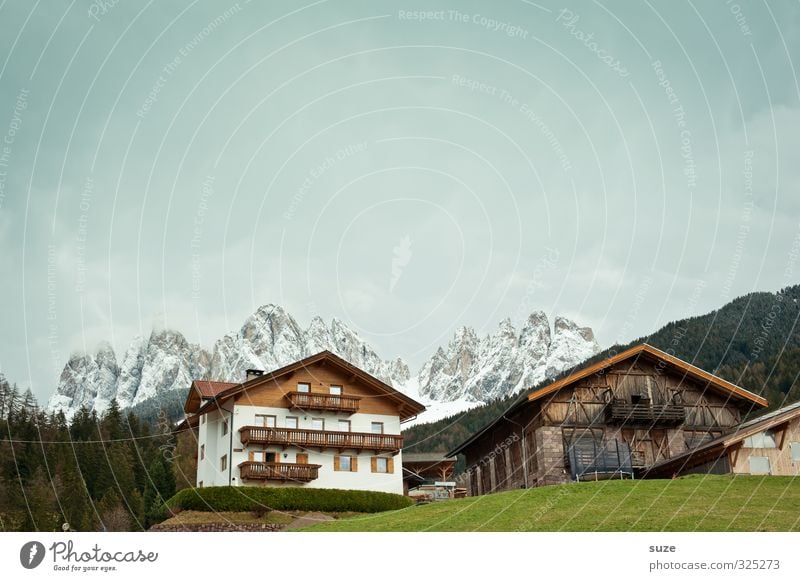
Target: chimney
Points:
(252, 374)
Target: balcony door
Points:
(262, 456)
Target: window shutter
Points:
(374, 463)
(277, 458)
(336, 463)
(390, 465)
(302, 458)
(250, 456)
(353, 464)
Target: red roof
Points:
(211, 388)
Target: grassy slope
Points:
(692, 503)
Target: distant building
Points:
(319, 422)
(429, 475)
(769, 444)
(614, 419)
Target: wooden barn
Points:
(768, 444)
(614, 419)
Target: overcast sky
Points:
(182, 163)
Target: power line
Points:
(13, 441)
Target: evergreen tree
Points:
(78, 509)
(160, 488)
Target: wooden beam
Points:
(783, 428)
(734, 455)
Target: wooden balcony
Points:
(320, 439)
(644, 414)
(278, 471)
(323, 401)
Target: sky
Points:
(407, 167)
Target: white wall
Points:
(218, 445)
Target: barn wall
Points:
(780, 459)
(497, 460)
(582, 405)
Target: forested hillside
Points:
(95, 473)
(753, 341)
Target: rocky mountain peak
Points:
(468, 370)
(505, 362)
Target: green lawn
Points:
(692, 503)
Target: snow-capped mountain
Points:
(506, 361)
(164, 361)
(271, 338)
(467, 372)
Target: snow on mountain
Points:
(467, 372)
(434, 410)
(271, 338)
(150, 367)
(505, 362)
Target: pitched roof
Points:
(512, 409)
(202, 389)
(408, 408)
(716, 447)
(209, 388)
(643, 349)
(433, 457)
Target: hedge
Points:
(256, 498)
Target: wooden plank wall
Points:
(321, 377)
(780, 458)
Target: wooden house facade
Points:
(767, 444)
(614, 419)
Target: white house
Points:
(320, 422)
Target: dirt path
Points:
(307, 520)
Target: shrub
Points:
(253, 498)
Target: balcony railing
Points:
(278, 471)
(323, 401)
(591, 459)
(320, 439)
(637, 413)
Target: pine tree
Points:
(74, 496)
(42, 510)
(160, 488)
(113, 515)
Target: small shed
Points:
(429, 471)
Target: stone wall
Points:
(550, 456)
(217, 528)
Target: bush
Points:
(253, 498)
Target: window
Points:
(225, 428)
(265, 421)
(304, 387)
(291, 422)
(344, 425)
(345, 464)
(795, 446)
(317, 424)
(336, 390)
(382, 465)
(376, 427)
(765, 439)
(262, 456)
(301, 458)
(223, 463)
(759, 465)
(200, 484)
(202, 451)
